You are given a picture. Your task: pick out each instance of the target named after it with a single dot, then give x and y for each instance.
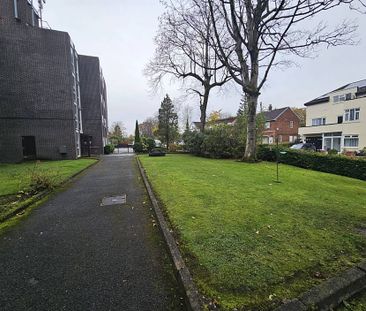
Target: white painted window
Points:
(318, 121)
(290, 139)
(352, 114)
(267, 125)
(291, 124)
(351, 141)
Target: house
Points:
(280, 123)
(337, 120)
(50, 97)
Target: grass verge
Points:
(252, 243)
(20, 183)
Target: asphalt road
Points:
(71, 253)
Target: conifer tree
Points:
(168, 122)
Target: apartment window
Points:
(351, 141)
(291, 124)
(318, 121)
(340, 119)
(343, 97)
(267, 125)
(352, 114)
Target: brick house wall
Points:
(93, 102)
(281, 127)
(36, 92)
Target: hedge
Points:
(334, 164)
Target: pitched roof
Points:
(325, 97)
(272, 115)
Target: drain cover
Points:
(119, 199)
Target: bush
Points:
(41, 181)
(138, 147)
(219, 142)
(334, 164)
(193, 142)
(332, 152)
(148, 144)
(108, 149)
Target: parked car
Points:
(304, 146)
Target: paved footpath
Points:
(73, 254)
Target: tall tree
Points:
(251, 37)
(117, 132)
(137, 133)
(149, 127)
(168, 122)
(184, 52)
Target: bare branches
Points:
(184, 51)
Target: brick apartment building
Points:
(41, 112)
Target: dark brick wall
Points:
(25, 12)
(36, 96)
(93, 101)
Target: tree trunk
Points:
(203, 108)
(251, 143)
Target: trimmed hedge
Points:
(334, 164)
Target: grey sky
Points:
(121, 34)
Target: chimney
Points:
(270, 107)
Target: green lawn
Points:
(15, 179)
(358, 303)
(251, 242)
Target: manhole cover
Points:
(119, 199)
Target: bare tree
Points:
(149, 127)
(252, 36)
(184, 52)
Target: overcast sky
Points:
(121, 34)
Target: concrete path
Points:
(73, 254)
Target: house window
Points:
(291, 124)
(267, 125)
(352, 114)
(340, 119)
(318, 121)
(343, 97)
(351, 141)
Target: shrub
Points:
(148, 144)
(219, 142)
(108, 149)
(335, 164)
(138, 147)
(332, 152)
(41, 180)
(193, 142)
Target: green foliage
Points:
(42, 180)
(219, 141)
(332, 152)
(149, 143)
(138, 147)
(247, 238)
(168, 122)
(137, 133)
(193, 142)
(335, 164)
(108, 149)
